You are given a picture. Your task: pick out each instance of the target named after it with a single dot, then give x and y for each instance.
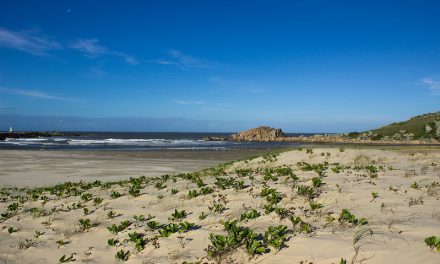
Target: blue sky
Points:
(304, 66)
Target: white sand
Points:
(398, 230)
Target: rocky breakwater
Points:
(31, 134)
(262, 133)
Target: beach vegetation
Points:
(347, 217)
(433, 242)
(271, 195)
(237, 236)
(169, 229)
(252, 214)
(415, 185)
(178, 215)
(317, 182)
(243, 172)
(115, 195)
(86, 224)
(217, 208)
(111, 214)
(138, 240)
(374, 195)
(153, 224)
(300, 225)
(115, 229)
(97, 201)
(307, 191)
(122, 255)
(12, 229)
(275, 236)
(112, 242)
(86, 197)
(134, 191)
(203, 216)
(186, 226)
(319, 168)
(315, 205)
(65, 259)
(38, 234)
(62, 242)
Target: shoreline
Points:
(47, 167)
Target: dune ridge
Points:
(316, 205)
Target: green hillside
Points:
(423, 126)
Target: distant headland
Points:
(419, 130)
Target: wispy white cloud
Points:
(182, 60)
(432, 83)
(189, 102)
(35, 43)
(92, 48)
(89, 47)
(31, 41)
(34, 94)
(96, 72)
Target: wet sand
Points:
(39, 168)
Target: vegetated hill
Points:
(422, 126)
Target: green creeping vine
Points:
(217, 208)
(249, 215)
(319, 168)
(138, 240)
(178, 215)
(12, 230)
(237, 236)
(122, 255)
(168, 230)
(433, 242)
(86, 224)
(203, 191)
(308, 192)
(317, 182)
(115, 229)
(347, 217)
(243, 172)
(112, 242)
(275, 236)
(271, 195)
(172, 228)
(203, 216)
(65, 259)
(300, 225)
(115, 195)
(153, 224)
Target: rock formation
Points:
(262, 133)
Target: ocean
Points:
(138, 141)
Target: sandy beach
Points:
(39, 168)
(318, 205)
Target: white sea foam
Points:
(139, 142)
(131, 143)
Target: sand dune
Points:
(304, 190)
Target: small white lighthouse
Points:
(10, 130)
